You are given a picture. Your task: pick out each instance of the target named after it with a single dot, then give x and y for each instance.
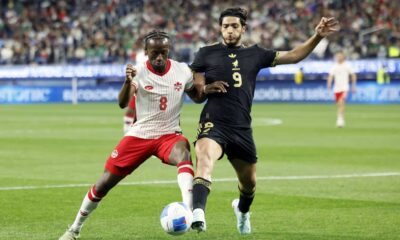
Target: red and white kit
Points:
(159, 99)
(341, 75)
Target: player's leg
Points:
(92, 199)
(127, 156)
(208, 151)
(246, 173)
(130, 114)
(340, 109)
(179, 155)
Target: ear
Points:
(244, 29)
(145, 52)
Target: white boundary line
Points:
(155, 182)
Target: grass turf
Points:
(67, 144)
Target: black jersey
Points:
(239, 67)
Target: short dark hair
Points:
(155, 34)
(241, 13)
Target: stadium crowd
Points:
(110, 31)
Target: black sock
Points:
(246, 199)
(201, 189)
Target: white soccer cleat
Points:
(69, 235)
(199, 220)
(243, 219)
(340, 123)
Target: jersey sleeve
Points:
(199, 63)
(266, 57)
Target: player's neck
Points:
(237, 45)
(159, 69)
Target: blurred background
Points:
(89, 42)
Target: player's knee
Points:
(248, 184)
(102, 188)
(180, 153)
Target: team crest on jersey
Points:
(114, 153)
(178, 86)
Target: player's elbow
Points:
(122, 104)
(199, 100)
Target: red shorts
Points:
(340, 95)
(133, 151)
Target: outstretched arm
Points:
(329, 82)
(129, 87)
(324, 28)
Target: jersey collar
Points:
(167, 67)
(236, 47)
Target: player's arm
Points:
(198, 93)
(128, 88)
(324, 28)
(329, 81)
(353, 77)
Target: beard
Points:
(232, 42)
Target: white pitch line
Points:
(361, 175)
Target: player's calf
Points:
(185, 182)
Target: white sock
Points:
(128, 121)
(185, 182)
(90, 203)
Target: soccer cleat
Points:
(199, 221)
(340, 122)
(243, 219)
(69, 235)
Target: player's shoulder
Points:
(140, 66)
(256, 47)
(180, 66)
(212, 46)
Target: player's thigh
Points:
(246, 173)
(173, 149)
(180, 152)
(208, 149)
(129, 154)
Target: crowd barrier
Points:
(368, 93)
(13, 92)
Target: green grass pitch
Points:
(55, 145)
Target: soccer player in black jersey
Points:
(225, 122)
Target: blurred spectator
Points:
(110, 31)
(382, 76)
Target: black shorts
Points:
(235, 142)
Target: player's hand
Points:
(216, 87)
(130, 73)
(327, 26)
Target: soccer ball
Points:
(176, 218)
